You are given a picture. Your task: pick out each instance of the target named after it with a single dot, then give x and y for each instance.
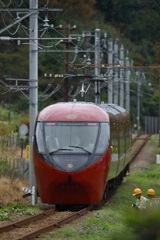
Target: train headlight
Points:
(69, 165)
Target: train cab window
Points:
(66, 135)
(88, 136)
(39, 138)
(76, 144)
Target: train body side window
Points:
(122, 142)
(115, 143)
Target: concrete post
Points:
(138, 100)
(110, 71)
(97, 65)
(127, 79)
(122, 76)
(33, 76)
(116, 85)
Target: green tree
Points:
(136, 20)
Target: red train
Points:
(80, 151)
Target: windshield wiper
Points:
(85, 150)
(60, 149)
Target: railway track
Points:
(138, 144)
(144, 137)
(34, 226)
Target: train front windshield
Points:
(71, 146)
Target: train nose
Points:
(71, 193)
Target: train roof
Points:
(109, 107)
(73, 111)
(112, 108)
(79, 111)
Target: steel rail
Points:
(20, 223)
(56, 225)
(141, 146)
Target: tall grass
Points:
(12, 164)
(14, 168)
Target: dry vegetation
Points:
(11, 191)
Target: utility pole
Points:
(110, 71)
(127, 75)
(122, 76)
(138, 101)
(97, 63)
(158, 155)
(116, 85)
(66, 62)
(33, 90)
(88, 61)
